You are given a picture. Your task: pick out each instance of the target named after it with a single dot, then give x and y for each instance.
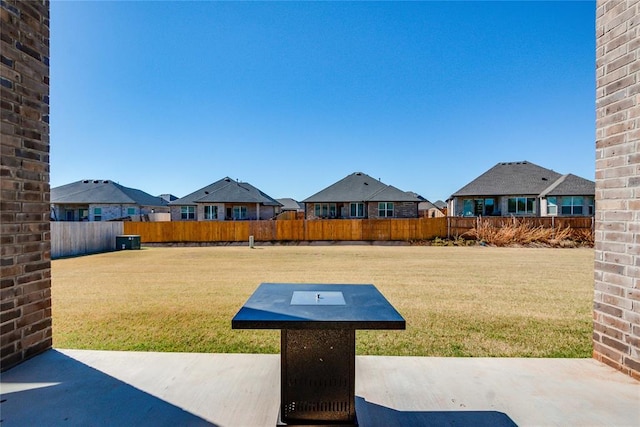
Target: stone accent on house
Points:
(616, 336)
(25, 308)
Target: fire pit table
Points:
(317, 362)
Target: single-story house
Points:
(226, 199)
(430, 210)
(442, 206)
(290, 205)
(524, 189)
(426, 209)
(291, 209)
(360, 196)
(102, 200)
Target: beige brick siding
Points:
(25, 321)
(616, 335)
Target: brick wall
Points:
(616, 336)
(400, 210)
(25, 308)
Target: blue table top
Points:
(317, 306)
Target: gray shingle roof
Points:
(425, 204)
(227, 190)
(94, 191)
(526, 178)
(289, 204)
(504, 179)
(571, 185)
(360, 187)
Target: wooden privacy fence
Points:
(329, 230)
(80, 238)
(289, 230)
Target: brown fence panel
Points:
(333, 229)
(180, 233)
(313, 230)
(417, 229)
(263, 231)
(376, 229)
(241, 231)
(343, 230)
(457, 226)
(403, 229)
(290, 230)
(150, 232)
(357, 229)
(190, 234)
(430, 228)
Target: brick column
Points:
(616, 336)
(25, 291)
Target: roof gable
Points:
(104, 192)
(512, 178)
(360, 187)
(571, 185)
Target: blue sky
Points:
(168, 97)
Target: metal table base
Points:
(317, 377)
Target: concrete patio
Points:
(100, 388)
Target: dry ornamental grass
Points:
(457, 301)
(513, 233)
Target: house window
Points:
(357, 210)
(489, 205)
(590, 205)
(478, 207)
(385, 209)
(324, 210)
(83, 214)
(521, 205)
(552, 206)
(187, 212)
(210, 212)
(97, 214)
(572, 205)
(239, 212)
(131, 211)
(467, 207)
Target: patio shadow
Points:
(74, 394)
(373, 415)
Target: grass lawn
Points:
(457, 301)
